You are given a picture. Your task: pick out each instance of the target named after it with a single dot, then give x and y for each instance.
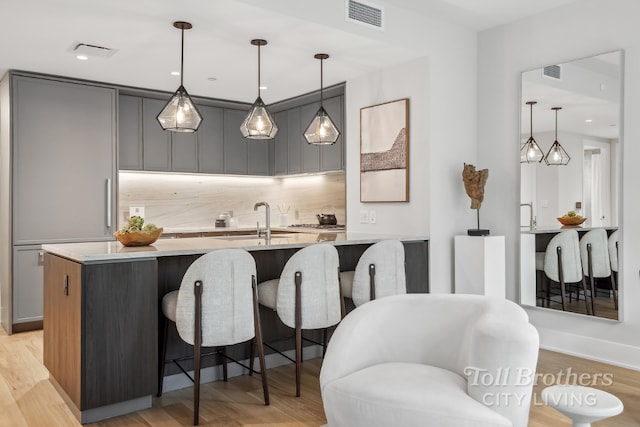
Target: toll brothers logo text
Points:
(511, 378)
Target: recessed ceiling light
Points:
(82, 57)
(212, 79)
(588, 121)
(175, 73)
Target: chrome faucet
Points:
(268, 217)
(532, 221)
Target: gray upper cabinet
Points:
(130, 132)
(310, 152)
(258, 161)
(294, 141)
(332, 156)
(235, 146)
(64, 161)
(184, 152)
(210, 137)
(156, 142)
(281, 154)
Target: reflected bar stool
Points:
(380, 272)
(614, 252)
(306, 296)
(560, 262)
(216, 306)
(594, 251)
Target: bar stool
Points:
(560, 262)
(614, 243)
(216, 306)
(379, 273)
(306, 296)
(594, 252)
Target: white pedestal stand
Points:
(480, 265)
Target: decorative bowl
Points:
(571, 220)
(139, 238)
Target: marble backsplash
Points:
(195, 200)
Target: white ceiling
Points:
(38, 36)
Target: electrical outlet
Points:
(372, 217)
(364, 216)
(136, 211)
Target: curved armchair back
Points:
(465, 334)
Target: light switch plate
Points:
(136, 211)
(364, 216)
(372, 217)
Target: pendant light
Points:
(556, 154)
(180, 114)
(259, 124)
(321, 130)
(530, 151)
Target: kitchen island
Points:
(102, 304)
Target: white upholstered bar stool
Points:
(380, 272)
(561, 263)
(594, 251)
(614, 252)
(306, 296)
(216, 306)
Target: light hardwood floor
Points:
(28, 399)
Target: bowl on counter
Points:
(571, 220)
(139, 238)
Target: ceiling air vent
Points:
(92, 50)
(552, 71)
(365, 13)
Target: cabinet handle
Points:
(66, 285)
(40, 257)
(108, 202)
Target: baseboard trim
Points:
(599, 350)
(214, 373)
(26, 326)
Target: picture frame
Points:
(384, 152)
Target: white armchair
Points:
(431, 360)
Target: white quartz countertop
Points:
(559, 228)
(113, 251)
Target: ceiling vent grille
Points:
(93, 50)
(552, 71)
(365, 13)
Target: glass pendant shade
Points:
(321, 130)
(259, 124)
(180, 114)
(556, 155)
(530, 151)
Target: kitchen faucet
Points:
(532, 221)
(268, 217)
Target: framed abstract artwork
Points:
(384, 152)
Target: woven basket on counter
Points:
(139, 238)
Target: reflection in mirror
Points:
(573, 108)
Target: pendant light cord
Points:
(556, 139)
(531, 119)
(258, 71)
(182, 57)
(321, 97)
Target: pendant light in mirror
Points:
(556, 154)
(530, 151)
(321, 130)
(180, 114)
(259, 124)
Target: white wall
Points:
(574, 31)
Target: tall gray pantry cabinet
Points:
(58, 143)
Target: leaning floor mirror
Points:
(570, 157)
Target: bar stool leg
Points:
(258, 342)
(298, 320)
(163, 353)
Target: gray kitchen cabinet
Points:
(235, 146)
(332, 156)
(281, 154)
(130, 132)
(28, 269)
(64, 161)
(294, 141)
(310, 152)
(258, 156)
(156, 141)
(210, 137)
(184, 152)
